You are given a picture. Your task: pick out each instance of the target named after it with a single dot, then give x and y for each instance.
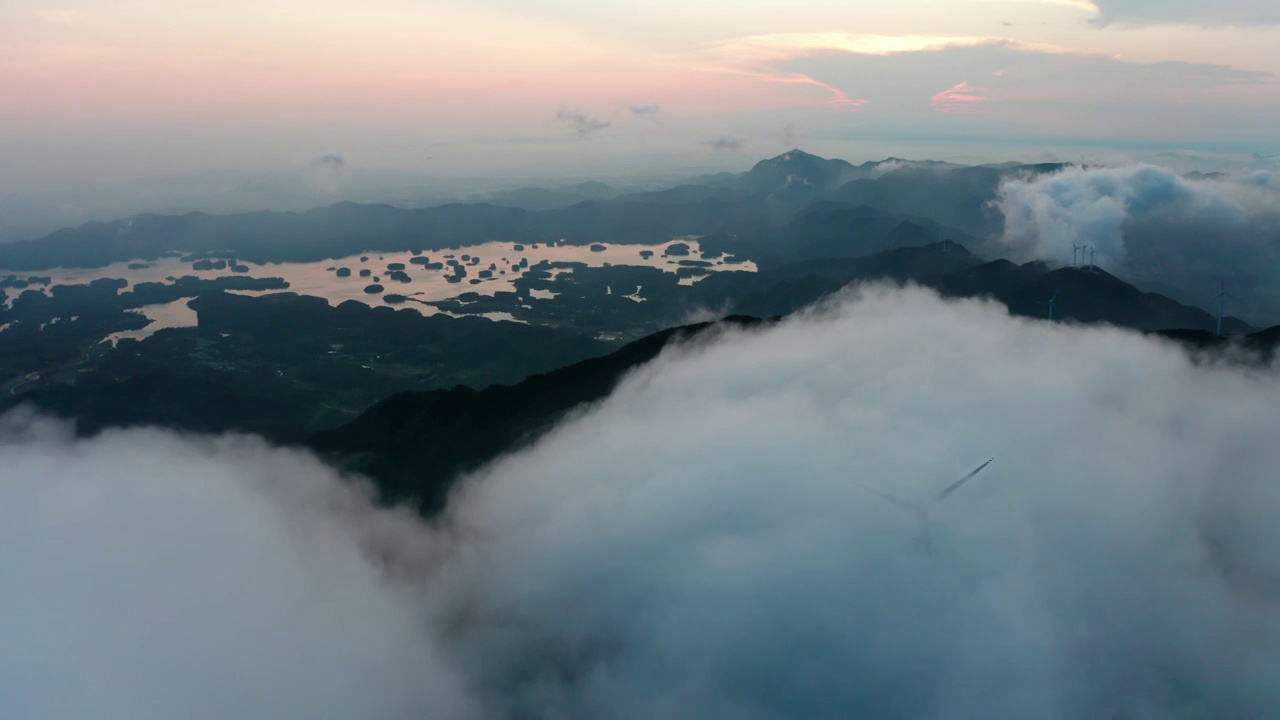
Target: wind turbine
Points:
(1075, 251)
(921, 509)
(1222, 303)
(953, 487)
(1052, 302)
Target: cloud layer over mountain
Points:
(711, 541)
(1149, 222)
(1048, 214)
(148, 575)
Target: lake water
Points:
(164, 315)
(321, 279)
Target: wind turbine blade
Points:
(901, 502)
(960, 483)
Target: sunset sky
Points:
(103, 89)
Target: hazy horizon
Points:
(332, 178)
(127, 93)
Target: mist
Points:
(712, 540)
(148, 575)
(1180, 234)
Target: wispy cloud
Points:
(837, 97)
(771, 57)
(325, 173)
(329, 161)
(834, 96)
(1041, 89)
(792, 135)
(585, 125)
(781, 46)
(725, 142)
(960, 98)
(644, 109)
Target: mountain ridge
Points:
(417, 445)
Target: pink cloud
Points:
(838, 98)
(961, 98)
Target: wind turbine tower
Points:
(1052, 303)
(1223, 296)
(1075, 252)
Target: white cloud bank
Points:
(1047, 214)
(147, 575)
(1177, 234)
(698, 545)
(1215, 223)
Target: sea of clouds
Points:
(712, 540)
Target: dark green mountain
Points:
(537, 198)
(1086, 295)
(831, 229)
(416, 444)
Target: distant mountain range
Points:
(790, 208)
(538, 198)
(770, 209)
(797, 168)
(297, 370)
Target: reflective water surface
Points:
(489, 267)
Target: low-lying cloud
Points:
(1179, 235)
(331, 161)
(325, 174)
(792, 135)
(725, 142)
(701, 544)
(1046, 215)
(644, 110)
(148, 575)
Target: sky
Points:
(101, 91)
(714, 539)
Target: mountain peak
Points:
(796, 168)
(795, 155)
